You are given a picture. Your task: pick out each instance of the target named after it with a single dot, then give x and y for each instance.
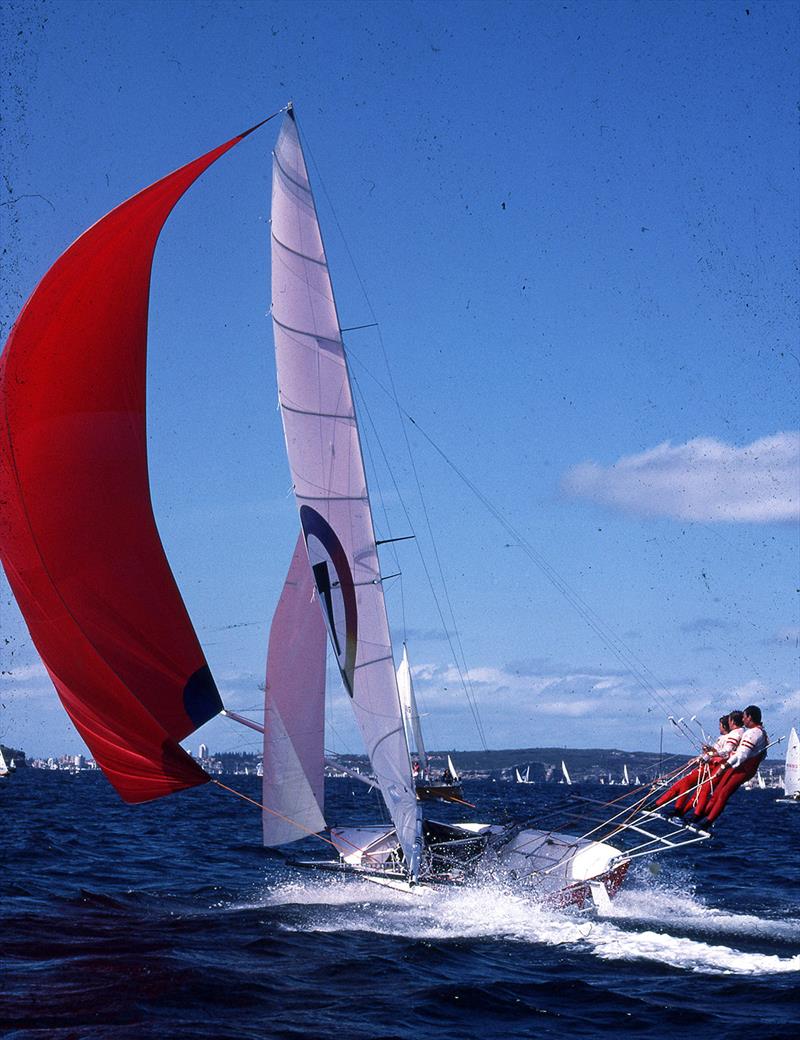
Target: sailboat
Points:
(523, 778)
(85, 561)
(565, 773)
(791, 770)
(625, 778)
(447, 786)
(4, 769)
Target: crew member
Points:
(740, 767)
(697, 803)
(688, 783)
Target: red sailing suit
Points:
(742, 766)
(685, 789)
(698, 802)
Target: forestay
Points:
(330, 485)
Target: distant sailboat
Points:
(565, 771)
(791, 770)
(625, 778)
(523, 778)
(429, 787)
(4, 769)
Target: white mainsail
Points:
(3, 766)
(330, 484)
(791, 774)
(294, 711)
(405, 687)
(625, 778)
(565, 771)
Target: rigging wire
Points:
(460, 662)
(658, 692)
(662, 696)
(448, 627)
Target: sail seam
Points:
(332, 498)
(377, 660)
(296, 252)
(322, 415)
(305, 332)
(303, 187)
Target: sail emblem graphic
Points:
(337, 595)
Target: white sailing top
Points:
(724, 745)
(732, 741)
(753, 742)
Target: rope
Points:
(287, 819)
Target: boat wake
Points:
(641, 926)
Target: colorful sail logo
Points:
(337, 594)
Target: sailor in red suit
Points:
(696, 802)
(689, 782)
(698, 782)
(740, 767)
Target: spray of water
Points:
(645, 924)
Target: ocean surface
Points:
(169, 921)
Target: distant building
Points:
(202, 752)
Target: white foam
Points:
(612, 943)
(491, 911)
(679, 910)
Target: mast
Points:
(325, 458)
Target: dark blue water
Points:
(169, 921)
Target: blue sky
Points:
(577, 227)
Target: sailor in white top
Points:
(742, 765)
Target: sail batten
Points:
(330, 482)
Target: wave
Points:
(495, 912)
(678, 909)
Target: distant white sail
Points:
(294, 711)
(408, 701)
(451, 769)
(322, 442)
(791, 775)
(565, 771)
(3, 766)
(625, 778)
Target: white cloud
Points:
(703, 480)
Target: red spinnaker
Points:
(78, 539)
